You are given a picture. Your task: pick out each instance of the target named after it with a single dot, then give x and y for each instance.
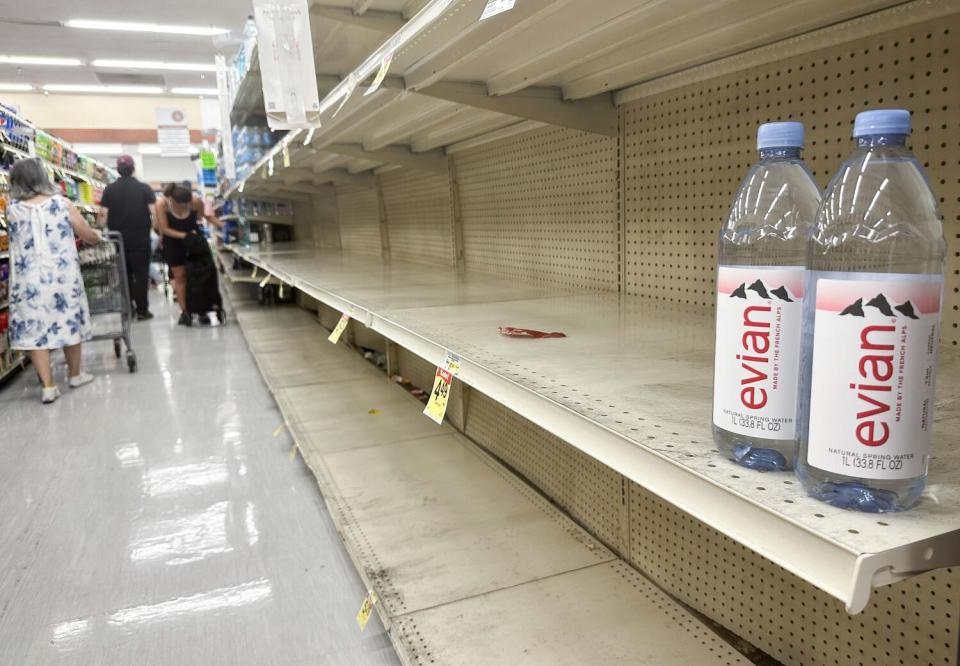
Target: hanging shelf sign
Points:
(384, 66)
(495, 7)
(285, 47)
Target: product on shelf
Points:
(760, 286)
(4, 281)
(873, 320)
(250, 144)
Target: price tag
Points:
(381, 74)
(366, 609)
(452, 363)
(495, 7)
(310, 133)
(253, 275)
(270, 166)
(437, 405)
(286, 156)
(264, 281)
(339, 328)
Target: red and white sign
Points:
(874, 365)
(173, 134)
(757, 364)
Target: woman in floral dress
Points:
(48, 304)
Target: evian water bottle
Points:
(872, 325)
(760, 287)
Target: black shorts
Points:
(174, 253)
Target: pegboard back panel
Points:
(415, 370)
(586, 489)
(543, 206)
(326, 227)
(686, 150)
(358, 210)
(419, 216)
(912, 622)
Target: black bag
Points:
(203, 283)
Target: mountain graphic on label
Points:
(782, 293)
(855, 309)
(760, 289)
(882, 305)
(906, 310)
(880, 302)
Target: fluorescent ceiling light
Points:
(39, 60)
(89, 24)
(157, 64)
(84, 88)
(12, 87)
(213, 92)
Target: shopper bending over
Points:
(178, 214)
(48, 304)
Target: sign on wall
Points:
(173, 134)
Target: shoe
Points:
(185, 319)
(50, 394)
(143, 316)
(80, 380)
(204, 320)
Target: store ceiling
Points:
(34, 29)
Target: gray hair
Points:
(28, 178)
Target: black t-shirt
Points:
(127, 201)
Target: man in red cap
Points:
(129, 206)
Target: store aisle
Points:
(155, 519)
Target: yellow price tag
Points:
(452, 363)
(286, 156)
(276, 433)
(366, 609)
(339, 328)
(437, 405)
(264, 281)
(253, 275)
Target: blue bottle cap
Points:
(780, 135)
(882, 121)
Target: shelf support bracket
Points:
(433, 160)
(595, 114)
(378, 21)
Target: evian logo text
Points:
(755, 343)
(875, 394)
(875, 366)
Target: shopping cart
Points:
(104, 272)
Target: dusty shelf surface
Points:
(469, 564)
(631, 386)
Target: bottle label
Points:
(874, 364)
(756, 369)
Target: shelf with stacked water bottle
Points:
(10, 361)
(80, 178)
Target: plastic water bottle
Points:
(760, 287)
(872, 325)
